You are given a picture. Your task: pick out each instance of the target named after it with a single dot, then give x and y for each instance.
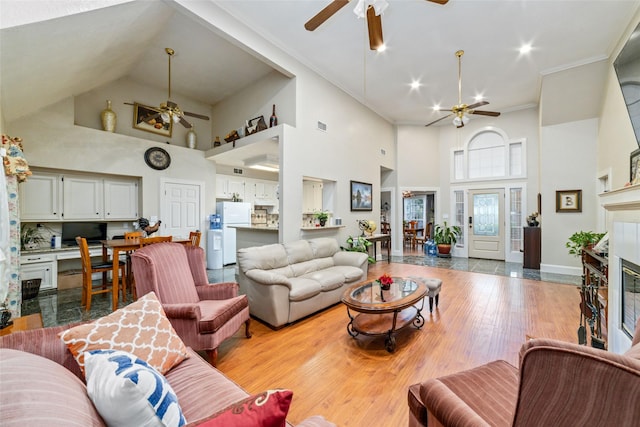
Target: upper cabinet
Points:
(51, 196)
(41, 197)
(311, 196)
(255, 191)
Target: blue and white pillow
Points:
(126, 391)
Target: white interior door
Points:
(486, 224)
(181, 208)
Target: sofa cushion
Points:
(304, 267)
(216, 313)
(141, 328)
(324, 247)
(488, 392)
(195, 378)
(268, 409)
(298, 251)
(266, 257)
(303, 288)
(38, 391)
(350, 274)
(128, 392)
(328, 279)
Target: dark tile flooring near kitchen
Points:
(62, 307)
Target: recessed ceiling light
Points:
(415, 84)
(382, 48)
(478, 97)
(525, 48)
(436, 107)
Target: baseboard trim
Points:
(561, 269)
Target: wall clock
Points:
(157, 158)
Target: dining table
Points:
(118, 246)
(413, 232)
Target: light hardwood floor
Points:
(356, 382)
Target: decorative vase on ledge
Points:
(108, 118)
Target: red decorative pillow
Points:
(268, 409)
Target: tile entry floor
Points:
(62, 307)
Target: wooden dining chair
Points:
(386, 229)
(156, 239)
(426, 235)
(410, 233)
(132, 235)
(88, 268)
(194, 236)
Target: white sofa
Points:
(286, 282)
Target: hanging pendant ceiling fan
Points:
(170, 111)
(461, 111)
(371, 8)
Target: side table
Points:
(24, 323)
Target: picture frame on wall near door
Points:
(634, 167)
(569, 201)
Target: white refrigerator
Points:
(232, 214)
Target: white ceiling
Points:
(44, 62)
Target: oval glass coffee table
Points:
(383, 312)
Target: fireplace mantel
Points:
(623, 199)
(623, 224)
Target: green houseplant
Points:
(582, 239)
(445, 236)
(359, 244)
(322, 217)
(30, 238)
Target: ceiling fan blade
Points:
(325, 14)
(197, 116)
(185, 123)
(485, 113)
(439, 1)
(440, 119)
(476, 105)
(374, 23)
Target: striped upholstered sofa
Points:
(558, 384)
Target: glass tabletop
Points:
(370, 295)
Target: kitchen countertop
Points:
(254, 227)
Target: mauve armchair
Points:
(557, 384)
(203, 314)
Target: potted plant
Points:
(359, 244)
(582, 239)
(322, 217)
(30, 238)
(444, 236)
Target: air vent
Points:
(238, 171)
(322, 126)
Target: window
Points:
(459, 209)
(486, 156)
(515, 219)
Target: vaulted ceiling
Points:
(46, 61)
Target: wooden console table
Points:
(380, 238)
(24, 323)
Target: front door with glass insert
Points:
(486, 224)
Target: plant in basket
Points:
(385, 281)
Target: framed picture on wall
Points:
(361, 196)
(569, 201)
(634, 167)
(149, 119)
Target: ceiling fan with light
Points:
(169, 111)
(461, 111)
(371, 8)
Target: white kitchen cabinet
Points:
(82, 198)
(227, 185)
(58, 196)
(120, 199)
(41, 197)
(40, 266)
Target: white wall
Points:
(88, 106)
(568, 153)
(51, 140)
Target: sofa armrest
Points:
(182, 311)
(217, 291)
(265, 277)
(315, 421)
